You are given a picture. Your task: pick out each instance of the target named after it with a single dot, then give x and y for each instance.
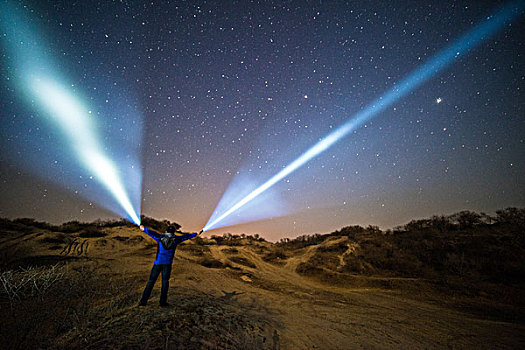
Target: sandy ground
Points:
(296, 312)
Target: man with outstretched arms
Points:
(166, 244)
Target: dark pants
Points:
(155, 272)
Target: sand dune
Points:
(246, 302)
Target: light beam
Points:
(73, 118)
(461, 46)
(38, 77)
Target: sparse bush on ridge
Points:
(340, 248)
(58, 239)
(16, 225)
(350, 230)
(73, 226)
(113, 223)
(301, 241)
(92, 232)
(513, 216)
(157, 225)
(236, 240)
(28, 225)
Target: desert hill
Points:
(455, 281)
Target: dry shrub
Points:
(211, 263)
(195, 249)
(72, 227)
(29, 282)
(92, 232)
(275, 255)
(338, 248)
(230, 251)
(57, 239)
(242, 261)
(309, 269)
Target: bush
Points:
(338, 248)
(72, 227)
(114, 223)
(466, 219)
(212, 263)
(350, 231)
(276, 254)
(92, 232)
(511, 216)
(156, 225)
(242, 261)
(58, 239)
(16, 225)
(230, 250)
(195, 249)
(302, 241)
(33, 223)
(308, 269)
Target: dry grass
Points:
(29, 282)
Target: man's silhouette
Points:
(166, 245)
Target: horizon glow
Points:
(38, 77)
(461, 46)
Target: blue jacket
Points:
(166, 245)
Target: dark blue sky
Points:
(246, 86)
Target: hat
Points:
(170, 229)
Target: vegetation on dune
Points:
(465, 244)
(236, 240)
(157, 225)
(461, 255)
(28, 225)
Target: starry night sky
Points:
(246, 86)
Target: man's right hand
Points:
(141, 227)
